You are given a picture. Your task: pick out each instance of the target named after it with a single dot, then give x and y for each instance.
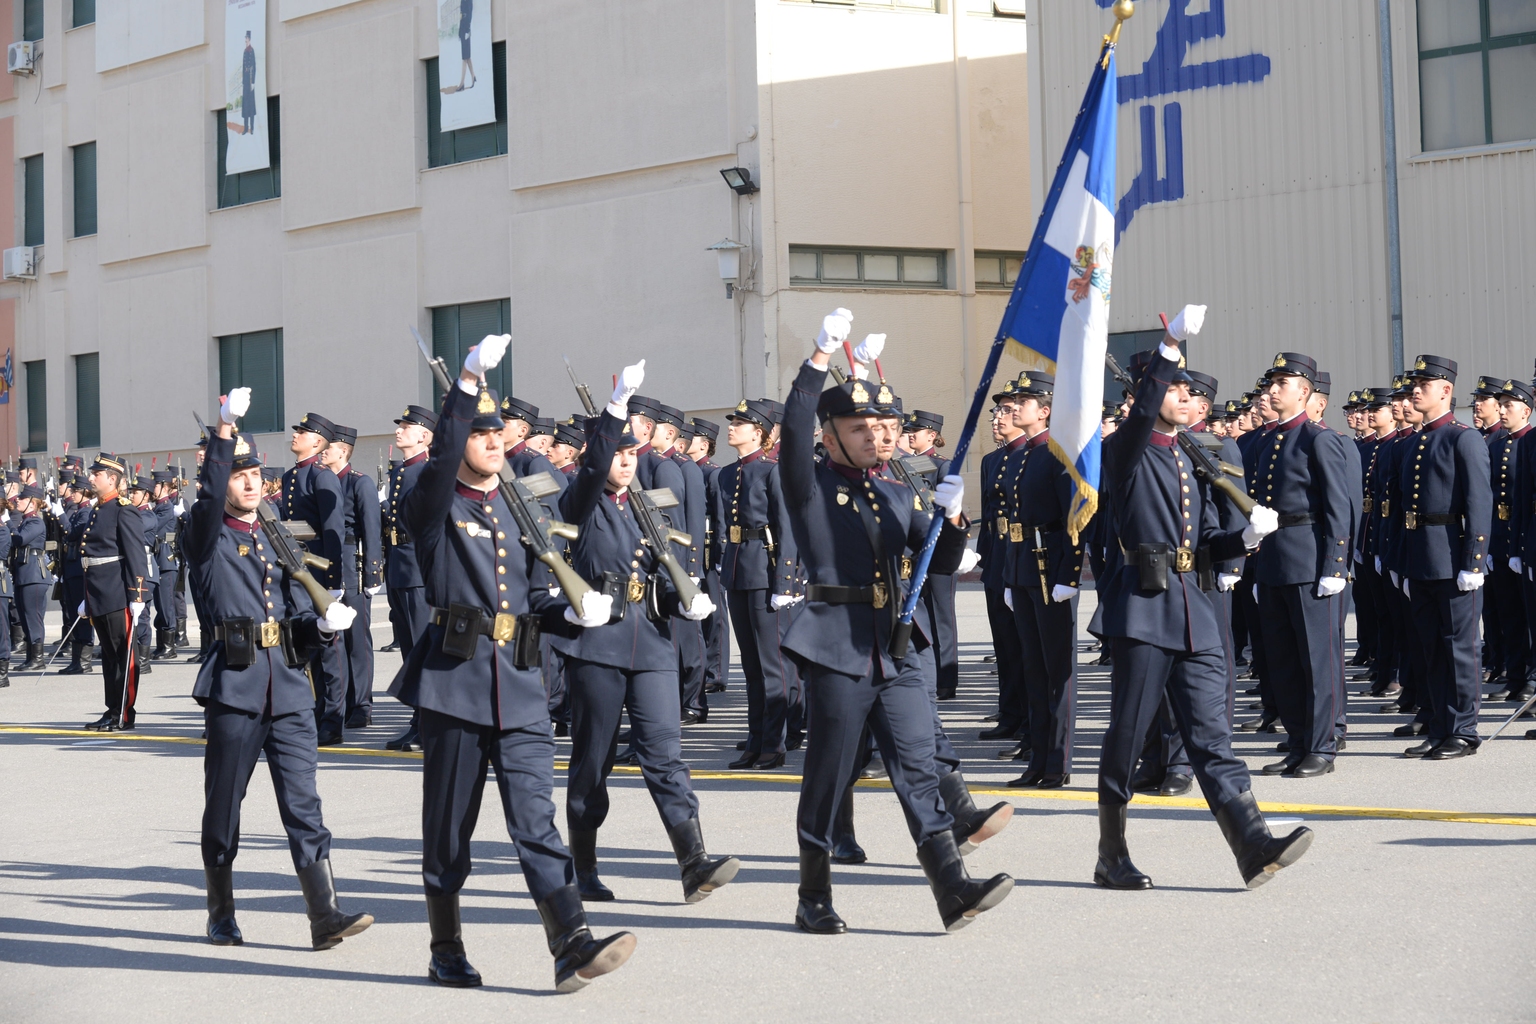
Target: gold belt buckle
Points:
(1016, 532)
(504, 626)
(1365, 505)
(271, 633)
(906, 567)
(1386, 507)
(880, 594)
(1504, 512)
(635, 591)
(1410, 520)
(735, 535)
(1002, 527)
(1183, 560)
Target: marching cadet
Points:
(1165, 639)
(687, 637)
(627, 661)
(167, 563)
(924, 435)
(999, 467)
(402, 571)
(116, 590)
(1412, 673)
(1486, 415)
(77, 511)
(541, 435)
(361, 573)
(1504, 580)
(139, 490)
(1447, 517)
(568, 443)
(29, 570)
(312, 493)
(1374, 590)
(204, 626)
(253, 686)
(7, 588)
(758, 575)
(517, 433)
(717, 628)
(844, 523)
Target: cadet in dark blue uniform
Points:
(1494, 658)
(1165, 634)
(924, 435)
(852, 533)
(1504, 582)
(717, 628)
(402, 572)
(116, 567)
(29, 570)
(1414, 693)
(140, 487)
(168, 564)
(7, 588)
(999, 468)
(1376, 406)
(517, 430)
(1354, 483)
(1447, 517)
(479, 706)
(687, 637)
(257, 701)
(630, 663)
(361, 575)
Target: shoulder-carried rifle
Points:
(582, 391)
(647, 506)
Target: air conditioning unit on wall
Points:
(20, 263)
(21, 58)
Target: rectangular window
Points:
(250, 186)
(32, 19)
(455, 329)
(88, 400)
(868, 268)
(37, 405)
(997, 270)
(84, 13)
(255, 361)
(1477, 72)
(32, 214)
(85, 188)
(474, 143)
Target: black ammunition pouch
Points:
(1204, 570)
(616, 586)
(240, 641)
(1153, 562)
(657, 599)
(464, 625)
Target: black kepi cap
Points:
(517, 409)
(1292, 364)
(1427, 367)
(755, 410)
(346, 435)
(1202, 384)
(419, 415)
(706, 428)
(317, 424)
(1516, 389)
(923, 420)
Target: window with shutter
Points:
(84, 13)
(250, 186)
(88, 400)
(255, 361)
(457, 329)
(477, 142)
(85, 188)
(37, 405)
(32, 214)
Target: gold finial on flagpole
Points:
(1123, 10)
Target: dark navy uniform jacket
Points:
(114, 529)
(695, 509)
(402, 569)
(231, 563)
(1524, 511)
(312, 493)
(1156, 499)
(749, 496)
(76, 515)
(526, 462)
(711, 520)
(471, 553)
(823, 502)
(997, 479)
(7, 586)
(1228, 515)
(610, 541)
(28, 564)
(1303, 470)
(1504, 474)
(1041, 496)
(165, 536)
(151, 542)
(1445, 471)
(1374, 516)
(360, 518)
(1394, 554)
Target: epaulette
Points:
(123, 501)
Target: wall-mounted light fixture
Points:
(740, 180)
(728, 255)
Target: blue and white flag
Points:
(1058, 317)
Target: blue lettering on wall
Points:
(1148, 188)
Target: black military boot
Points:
(578, 956)
(327, 924)
(181, 633)
(814, 913)
(222, 929)
(408, 740)
(74, 668)
(5, 672)
(160, 642)
(18, 640)
(584, 853)
(1259, 854)
(141, 658)
(35, 661)
(449, 966)
(701, 875)
(973, 826)
(960, 897)
(1115, 870)
(845, 844)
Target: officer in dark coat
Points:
(312, 493)
(1165, 634)
(116, 567)
(7, 590)
(852, 532)
(402, 572)
(1504, 583)
(999, 468)
(1411, 655)
(478, 705)
(257, 698)
(717, 628)
(362, 573)
(29, 570)
(1487, 418)
(167, 562)
(1447, 518)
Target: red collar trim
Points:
(751, 456)
(1294, 421)
(644, 449)
(1521, 432)
(240, 524)
(1271, 425)
(932, 453)
(620, 499)
(1040, 438)
(849, 473)
(463, 490)
(418, 457)
(1198, 428)
(306, 462)
(344, 471)
(1016, 443)
(1163, 440)
(518, 447)
(1440, 421)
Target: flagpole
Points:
(902, 634)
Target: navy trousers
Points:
(899, 713)
(31, 604)
(1301, 641)
(412, 605)
(1504, 613)
(1446, 620)
(328, 675)
(454, 757)
(773, 681)
(552, 671)
(141, 632)
(1196, 686)
(165, 600)
(939, 596)
(946, 758)
(1048, 647)
(235, 739)
(688, 642)
(357, 650)
(1367, 603)
(1162, 752)
(1012, 701)
(599, 694)
(717, 635)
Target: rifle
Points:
(582, 391)
(647, 506)
(522, 497)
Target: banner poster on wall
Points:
(245, 85)
(464, 75)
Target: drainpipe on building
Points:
(1389, 144)
(965, 248)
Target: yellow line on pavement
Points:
(1069, 795)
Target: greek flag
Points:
(1058, 316)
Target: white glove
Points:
(778, 602)
(1262, 522)
(81, 609)
(58, 508)
(181, 507)
(629, 383)
(5, 516)
(338, 618)
(372, 591)
(701, 608)
(1378, 565)
(1226, 580)
(950, 495)
(487, 354)
(1061, 593)
(968, 561)
(868, 350)
(595, 610)
(137, 607)
(1008, 598)
(834, 330)
(1468, 581)
(1395, 581)
(860, 371)
(383, 494)
(1328, 586)
(1187, 324)
(1515, 564)
(236, 404)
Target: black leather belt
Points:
(738, 534)
(265, 634)
(497, 627)
(1414, 520)
(827, 594)
(1180, 559)
(1296, 519)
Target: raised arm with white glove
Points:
(1262, 522)
(1187, 323)
(235, 405)
(834, 330)
(485, 356)
(868, 350)
(595, 610)
(627, 387)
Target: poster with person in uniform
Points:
(465, 81)
(245, 86)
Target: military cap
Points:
(1323, 382)
(888, 401)
(639, 405)
(1487, 387)
(486, 416)
(1110, 411)
(777, 408)
(754, 410)
(270, 473)
(346, 435)
(670, 414)
(1235, 408)
(66, 478)
(541, 425)
(569, 432)
(1402, 387)
(317, 424)
(1035, 384)
(1429, 367)
(921, 420)
(162, 476)
(1292, 364)
(1375, 398)
(685, 433)
(104, 461)
(419, 415)
(12, 476)
(707, 428)
(517, 409)
(30, 491)
(1353, 401)
(851, 398)
(72, 462)
(141, 482)
(1202, 384)
(1516, 389)
(202, 442)
(246, 455)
